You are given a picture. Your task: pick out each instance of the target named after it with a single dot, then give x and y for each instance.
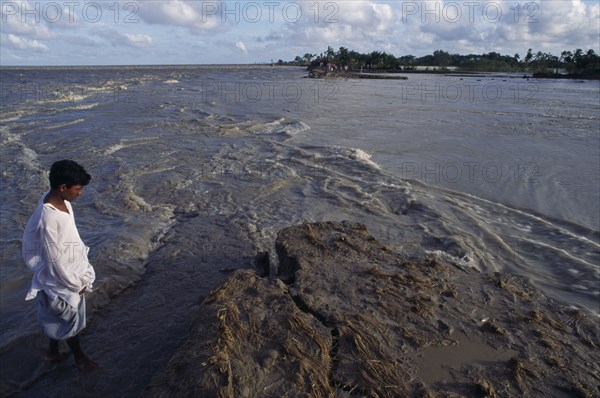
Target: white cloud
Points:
(26, 44)
(195, 15)
(503, 27)
(357, 24)
(138, 40)
(81, 40)
(29, 27)
(242, 47)
(123, 39)
(573, 23)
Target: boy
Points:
(54, 251)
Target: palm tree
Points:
(354, 59)
(389, 61)
(566, 57)
(330, 53)
(374, 58)
(343, 56)
(540, 60)
(528, 57)
(407, 60)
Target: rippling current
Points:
(196, 168)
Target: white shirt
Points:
(54, 251)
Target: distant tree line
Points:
(578, 62)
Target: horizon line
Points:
(134, 65)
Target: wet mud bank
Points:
(347, 317)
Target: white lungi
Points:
(58, 319)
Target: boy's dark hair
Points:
(68, 172)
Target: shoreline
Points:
(317, 72)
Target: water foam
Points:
(127, 143)
(65, 124)
(356, 154)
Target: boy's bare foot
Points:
(86, 365)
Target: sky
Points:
(145, 32)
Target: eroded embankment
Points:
(356, 319)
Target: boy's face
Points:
(72, 193)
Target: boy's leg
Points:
(53, 354)
(83, 362)
(53, 347)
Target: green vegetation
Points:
(577, 63)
